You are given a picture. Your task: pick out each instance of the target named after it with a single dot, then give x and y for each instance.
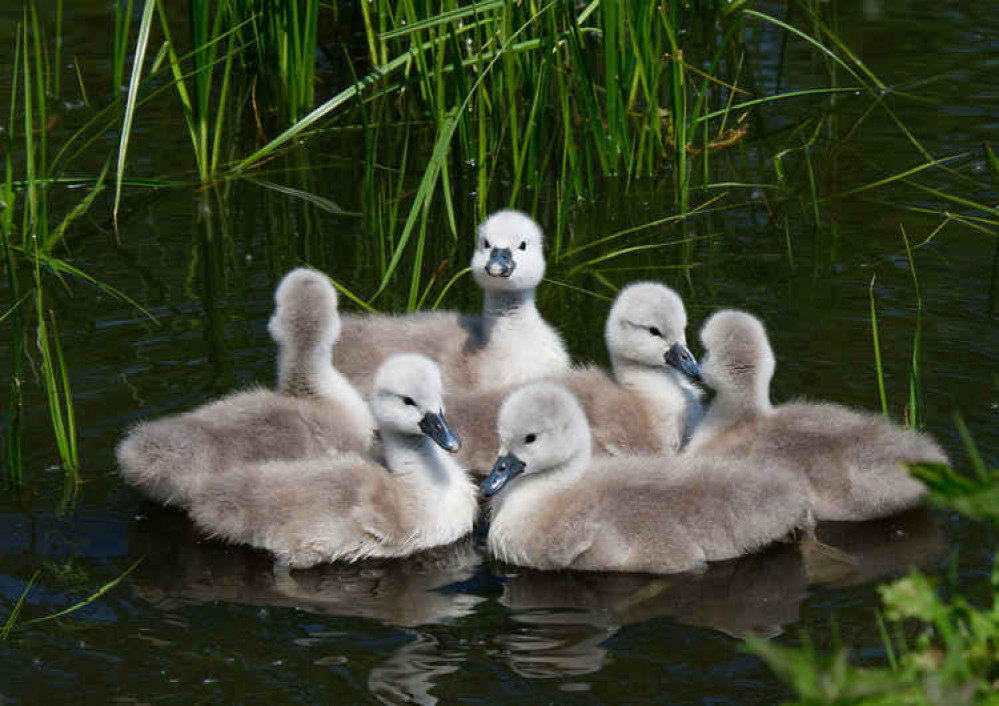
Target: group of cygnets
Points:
(586, 470)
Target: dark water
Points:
(200, 622)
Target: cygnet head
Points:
(305, 311)
(542, 427)
(738, 361)
(509, 253)
(646, 326)
(408, 398)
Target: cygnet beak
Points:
(435, 426)
(500, 263)
(504, 470)
(680, 357)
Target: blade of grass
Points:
(16, 611)
(879, 370)
(87, 601)
(916, 370)
(133, 94)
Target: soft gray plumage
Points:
(647, 407)
(349, 506)
(316, 411)
(565, 509)
(851, 461)
(509, 344)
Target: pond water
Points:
(201, 622)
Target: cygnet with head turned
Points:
(851, 461)
(649, 406)
(509, 344)
(555, 507)
(347, 507)
(316, 411)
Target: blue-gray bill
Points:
(680, 357)
(501, 263)
(435, 426)
(504, 470)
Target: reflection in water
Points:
(559, 621)
(182, 570)
(412, 670)
(565, 618)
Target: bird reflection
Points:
(180, 569)
(564, 618)
(411, 671)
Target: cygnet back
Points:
(348, 506)
(852, 461)
(317, 411)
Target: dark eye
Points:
(523, 245)
(530, 438)
(409, 401)
(655, 332)
(485, 243)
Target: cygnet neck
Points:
(500, 303)
(742, 402)
(307, 372)
(418, 457)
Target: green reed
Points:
(29, 256)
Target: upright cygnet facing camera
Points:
(649, 406)
(851, 461)
(555, 507)
(316, 411)
(346, 507)
(509, 344)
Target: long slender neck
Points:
(729, 407)
(307, 371)
(498, 305)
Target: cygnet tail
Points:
(167, 459)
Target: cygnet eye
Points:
(485, 244)
(530, 438)
(409, 401)
(655, 331)
(523, 245)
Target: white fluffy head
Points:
(406, 388)
(514, 238)
(544, 426)
(646, 320)
(738, 360)
(305, 311)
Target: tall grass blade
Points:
(879, 370)
(915, 406)
(133, 95)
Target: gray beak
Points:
(435, 426)
(504, 470)
(500, 263)
(680, 357)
